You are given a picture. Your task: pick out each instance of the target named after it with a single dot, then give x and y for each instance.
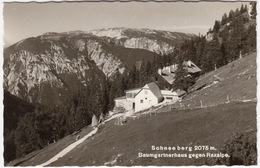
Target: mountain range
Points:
(46, 68)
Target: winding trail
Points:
(73, 145)
(69, 148)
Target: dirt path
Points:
(73, 145)
(69, 148)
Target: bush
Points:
(241, 149)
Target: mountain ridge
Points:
(36, 67)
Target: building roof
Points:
(155, 90)
(168, 73)
(191, 67)
(173, 69)
(120, 98)
(169, 77)
(137, 89)
(168, 93)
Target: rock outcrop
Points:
(46, 68)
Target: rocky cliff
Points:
(46, 68)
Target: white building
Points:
(128, 101)
(139, 99)
(169, 96)
(147, 97)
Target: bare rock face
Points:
(149, 44)
(161, 42)
(105, 61)
(47, 68)
(53, 68)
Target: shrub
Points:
(241, 149)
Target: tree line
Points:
(231, 37)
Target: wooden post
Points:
(201, 104)
(228, 101)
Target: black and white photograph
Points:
(129, 83)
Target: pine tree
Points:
(253, 12)
(182, 79)
(245, 8)
(237, 39)
(143, 73)
(216, 26)
(224, 19)
(250, 39)
(106, 96)
(242, 9)
(212, 56)
(200, 45)
(237, 12)
(231, 15)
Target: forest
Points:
(31, 127)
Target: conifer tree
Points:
(242, 9)
(182, 79)
(253, 12)
(216, 26)
(224, 19)
(237, 39)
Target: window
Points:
(141, 101)
(146, 98)
(132, 95)
(169, 98)
(128, 95)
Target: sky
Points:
(23, 20)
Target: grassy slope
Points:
(238, 82)
(40, 156)
(207, 126)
